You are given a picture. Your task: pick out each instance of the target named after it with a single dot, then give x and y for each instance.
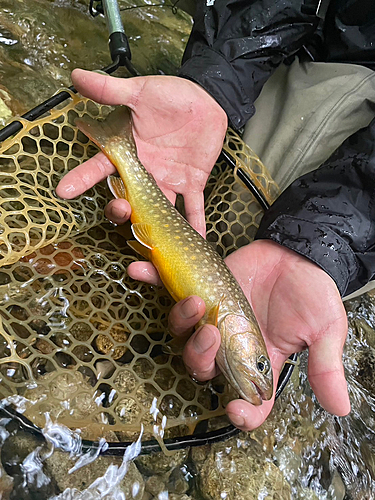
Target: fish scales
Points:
(201, 271)
(186, 262)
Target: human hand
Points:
(297, 305)
(179, 131)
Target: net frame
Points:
(236, 154)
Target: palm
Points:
(178, 128)
(175, 141)
(289, 294)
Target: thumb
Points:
(107, 89)
(326, 373)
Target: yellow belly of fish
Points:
(178, 276)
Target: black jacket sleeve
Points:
(235, 45)
(328, 215)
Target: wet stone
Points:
(59, 464)
(233, 473)
(366, 368)
(337, 487)
(125, 381)
(24, 474)
(177, 482)
(158, 463)
(176, 496)
(17, 447)
(156, 484)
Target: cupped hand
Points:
(297, 305)
(178, 129)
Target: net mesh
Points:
(79, 339)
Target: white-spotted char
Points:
(186, 262)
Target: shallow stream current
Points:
(301, 452)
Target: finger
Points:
(85, 176)
(108, 89)
(326, 374)
(118, 211)
(200, 351)
(246, 416)
(185, 315)
(194, 210)
(169, 194)
(144, 271)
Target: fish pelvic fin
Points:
(116, 186)
(141, 249)
(117, 124)
(142, 232)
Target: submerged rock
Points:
(158, 463)
(235, 473)
(366, 368)
(6, 484)
(59, 464)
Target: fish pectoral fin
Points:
(142, 233)
(213, 314)
(141, 249)
(174, 347)
(116, 186)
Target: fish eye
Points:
(263, 364)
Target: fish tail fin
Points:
(117, 124)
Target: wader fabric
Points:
(305, 112)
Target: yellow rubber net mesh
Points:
(81, 342)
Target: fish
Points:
(186, 262)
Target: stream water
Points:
(301, 452)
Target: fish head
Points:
(247, 364)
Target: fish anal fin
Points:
(116, 186)
(142, 233)
(141, 249)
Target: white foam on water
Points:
(106, 487)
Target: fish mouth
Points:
(253, 393)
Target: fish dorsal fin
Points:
(116, 186)
(141, 249)
(142, 232)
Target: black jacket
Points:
(234, 47)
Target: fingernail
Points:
(202, 343)
(189, 308)
(236, 420)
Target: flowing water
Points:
(301, 452)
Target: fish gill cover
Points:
(80, 341)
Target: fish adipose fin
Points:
(117, 124)
(142, 232)
(116, 186)
(139, 248)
